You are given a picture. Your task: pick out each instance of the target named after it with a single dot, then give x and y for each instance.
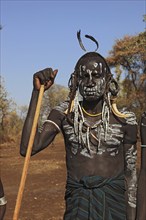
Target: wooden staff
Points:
(28, 154)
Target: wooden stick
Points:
(28, 155)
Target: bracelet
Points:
(52, 122)
(143, 145)
(3, 201)
(142, 124)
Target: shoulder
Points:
(58, 112)
(131, 128)
(130, 118)
(62, 107)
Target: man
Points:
(3, 201)
(141, 204)
(100, 142)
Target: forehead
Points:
(93, 66)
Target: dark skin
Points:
(2, 207)
(79, 165)
(141, 203)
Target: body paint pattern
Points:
(131, 119)
(98, 82)
(112, 144)
(62, 107)
(131, 158)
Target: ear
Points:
(73, 81)
(113, 87)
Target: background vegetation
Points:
(128, 59)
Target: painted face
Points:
(92, 80)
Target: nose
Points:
(90, 81)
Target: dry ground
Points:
(43, 197)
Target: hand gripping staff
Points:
(28, 154)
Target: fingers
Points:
(54, 73)
(45, 77)
(51, 80)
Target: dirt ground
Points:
(43, 197)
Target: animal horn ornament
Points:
(87, 36)
(116, 111)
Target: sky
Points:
(37, 34)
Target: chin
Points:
(91, 98)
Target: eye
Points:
(83, 75)
(86, 74)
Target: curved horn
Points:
(71, 108)
(94, 40)
(89, 37)
(80, 41)
(116, 111)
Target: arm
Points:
(48, 133)
(141, 195)
(130, 156)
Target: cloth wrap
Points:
(95, 198)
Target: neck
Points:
(92, 107)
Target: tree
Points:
(12, 116)
(5, 104)
(10, 121)
(22, 112)
(128, 57)
(52, 97)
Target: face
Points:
(92, 80)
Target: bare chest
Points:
(91, 139)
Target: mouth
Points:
(90, 91)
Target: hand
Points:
(44, 77)
(143, 128)
(143, 120)
(144, 116)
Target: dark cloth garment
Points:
(95, 198)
